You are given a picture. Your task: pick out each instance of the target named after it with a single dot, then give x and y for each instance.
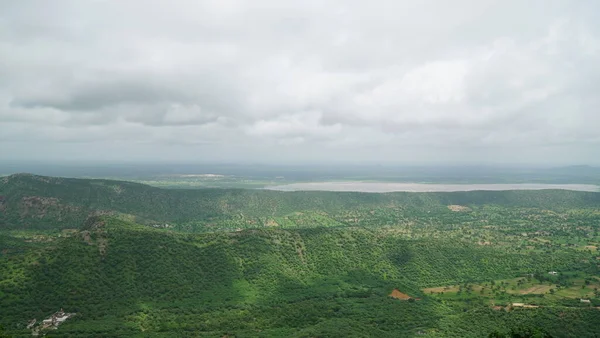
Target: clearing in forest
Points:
(523, 305)
(458, 208)
(271, 223)
(401, 295)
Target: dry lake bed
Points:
(424, 187)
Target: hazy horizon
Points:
(273, 174)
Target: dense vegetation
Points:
(262, 263)
(38, 202)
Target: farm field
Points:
(565, 288)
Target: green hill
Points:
(253, 263)
(125, 279)
(39, 202)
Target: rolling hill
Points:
(249, 263)
(47, 202)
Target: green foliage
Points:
(37, 202)
(250, 263)
(126, 279)
(2, 332)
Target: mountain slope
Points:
(250, 263)
(125, 279)
(29, 201)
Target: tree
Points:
(497, 334)
(2, 333)
(528, 332)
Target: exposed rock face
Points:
(93, 233)
(39, 207)
(93, 222)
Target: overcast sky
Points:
(462, 81)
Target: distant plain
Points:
(424, 187)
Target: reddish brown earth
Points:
(401, 295)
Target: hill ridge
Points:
(44, 202)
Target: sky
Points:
(272, 81)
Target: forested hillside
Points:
(30, 201)
(124, 279)
(132, 260)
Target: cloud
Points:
(88, 96)
(329, 79)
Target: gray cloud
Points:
(92, 97)
(321, 80)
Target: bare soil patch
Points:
(523, 305)
(401, 295)
(87, 237)
(271, 223)
(458, 208)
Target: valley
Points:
(134, 260)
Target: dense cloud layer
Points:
(267, 80)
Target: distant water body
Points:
(424, 187)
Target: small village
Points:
(50, 323)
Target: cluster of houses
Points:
(49, 323)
